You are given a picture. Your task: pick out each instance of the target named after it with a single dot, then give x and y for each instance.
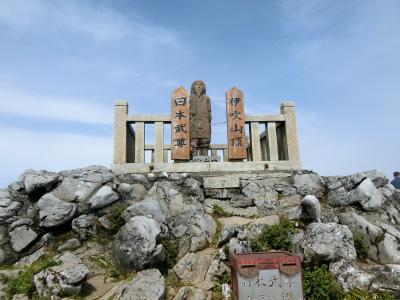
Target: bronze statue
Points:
(200, 119)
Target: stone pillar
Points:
(290, 136)
(120, 131)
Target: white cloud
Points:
(98, 22)
(23, 149)
(14, 101)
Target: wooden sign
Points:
(235, 124)
(180, 142)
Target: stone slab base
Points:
(205, 167)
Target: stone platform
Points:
(205, 167)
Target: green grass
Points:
(23, 284)
(107, 265)
(277, 237)
(115, 217)
(219, 212)
(361, 246)
(362, 295)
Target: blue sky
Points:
(63, 63)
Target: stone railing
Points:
(274, 148)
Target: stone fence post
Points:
(290, 136)
(120, 131)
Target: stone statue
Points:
(200, 119)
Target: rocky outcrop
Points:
(187, 224)
(136, 245)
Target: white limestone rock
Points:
(75, 190)
(328, 242)
(62, 280)
(33, 180)
(236, 246)
(21, 237)
(145, 285)
(135, 246)
(54, 212)
(84, 226)
(103, 197)
(389, 252)
(367, 195)
(350, 276)
(378, 178)
(311, 209)
(132, 192)
(309, 184)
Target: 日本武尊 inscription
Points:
(200, 119)
(180, 141)
(235, 124)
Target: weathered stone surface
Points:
(362, 226)
(349, 276)
(75, 190)
(135, 246)
(65, 279)
(103, 197)
(20, 222)
(338, 197)
(309, 184)
(194, 188)
(132, 192)
(70, 244)
(145, 285)
(84, 226)
(377, 177)
(54, 212)
(236, 246)
(385, 278)
(241, 201)
(221, 182)
(148, 207)
(21, 237)
(95, 174)
(367, 195)
(30, 259)
(389, 252)
(328, 242)
(311, 209)
(190, 293)
(193, 267)
(10, 210)
(243, 212)
(33, 180)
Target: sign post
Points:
(235, 124)
(180, 142)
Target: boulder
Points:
(349, 276)
(132, 192)
(311, 209)
(20, 222)
(30, 259)
(362, 226)
(102, 198)
(193, 267)
(84, 226)
(75, 190)
(385, 278)
(309, 184)
(378, 178)
(94, 174)
(70, 244)
(33, 180)
(9, 210)
(21, 237)
(54, 212)
(389, 252)
(194, 188)
(327, 242)
(236, 246)
(148, 207)
(338, 197)
(62, 280)
(135, 246)
(367, 195)
(145, 285)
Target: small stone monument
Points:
(200, 119)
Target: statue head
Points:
(198, 87)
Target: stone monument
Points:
(199, 119)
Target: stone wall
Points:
(73, 217)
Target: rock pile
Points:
(173, 232)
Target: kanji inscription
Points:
(180, 143)
(235, 124)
